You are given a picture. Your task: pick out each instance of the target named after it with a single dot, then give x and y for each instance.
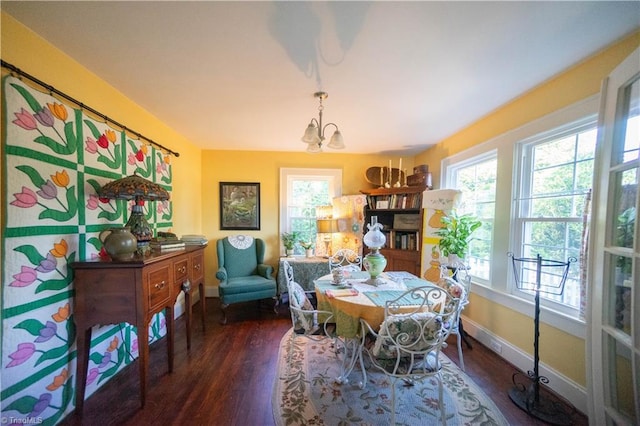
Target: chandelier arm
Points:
(329, 124)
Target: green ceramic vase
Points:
(119, 243)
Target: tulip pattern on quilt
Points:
(55, 158)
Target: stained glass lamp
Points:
(140, 190)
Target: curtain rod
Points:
(84, 107)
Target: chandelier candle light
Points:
(314, 135)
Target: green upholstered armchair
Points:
(242, 273)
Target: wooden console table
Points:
(109, 292)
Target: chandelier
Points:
(314, 135)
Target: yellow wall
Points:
(264, 167)
(575, 84)
(559, 350)
(26, 50)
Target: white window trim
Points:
(289, 174)
(523, 168)
(449, 168)
(506, 147)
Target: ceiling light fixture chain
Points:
(315, 133)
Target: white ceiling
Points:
(400, 75)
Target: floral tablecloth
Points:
(305, 270)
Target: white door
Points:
(614, 293)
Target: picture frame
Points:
(240, 206)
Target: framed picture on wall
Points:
(240, 205)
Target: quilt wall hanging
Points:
(55, 158)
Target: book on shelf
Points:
(403, 240)
(394, 201)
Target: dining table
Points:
(351, 299)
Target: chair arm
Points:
(265, 270)
(222, 274)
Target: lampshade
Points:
(139, 189)
(133, 187)
(311, 134)
(327, 226)
(314, 147)
(336, 141)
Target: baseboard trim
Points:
(560, 384)
(211, 291)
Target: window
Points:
(556, 171)
(515, 220)
(301, 190)
(476, 178)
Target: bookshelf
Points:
(400, 212)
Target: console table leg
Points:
(189, 313)
(170, 335)
(143, 345)
(83, 343)
(203, 304)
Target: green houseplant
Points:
(455, 235)
(289, 241)
(308, 247)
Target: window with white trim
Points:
(555, 172)
(508, 223)
(301, 190)
(476, 178)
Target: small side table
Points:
(305, 270)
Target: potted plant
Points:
(289, 241)
(308, 247)
(455, 235)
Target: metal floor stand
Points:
(526, 391)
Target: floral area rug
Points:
(305, 393)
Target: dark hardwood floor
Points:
(227, 377)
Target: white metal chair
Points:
(459, 288)
(303, 315)
(409, 341)
(306, 322)
(346, 259)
